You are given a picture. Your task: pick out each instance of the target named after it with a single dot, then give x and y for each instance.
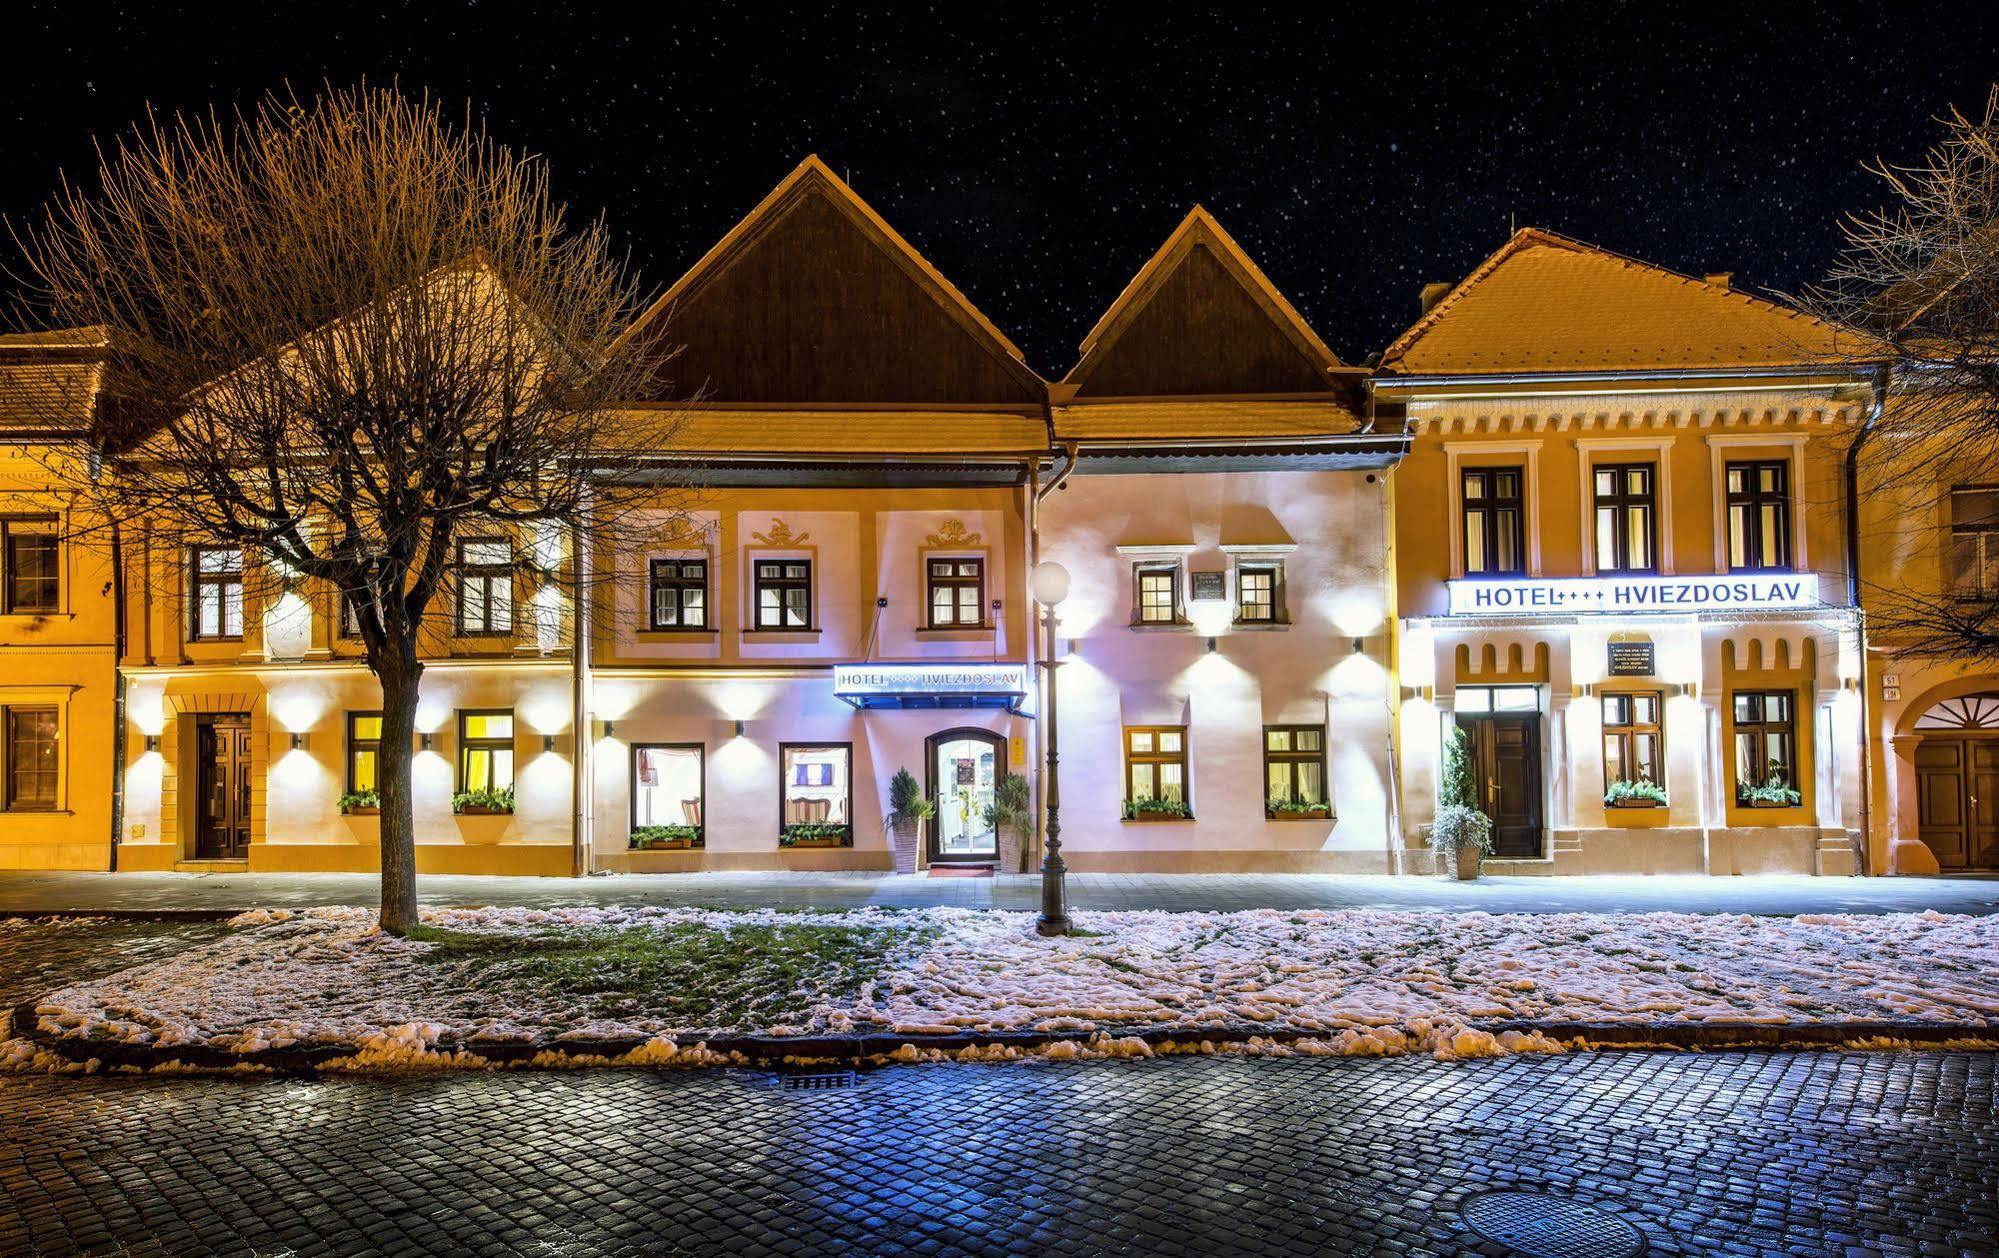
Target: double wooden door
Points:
(1957, 800)
(1506, 778)
(222, 809)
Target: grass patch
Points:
(687, 975)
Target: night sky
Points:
(1039, 155)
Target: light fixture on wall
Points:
(1359, 646)
(152, 742)
(548, 742)
(739, 728)
(610, 729)
(1211, 644)
(298, 740)
(423, 741)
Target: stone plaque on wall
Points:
(1631, 659)
(1202, 586)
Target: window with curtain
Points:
(1632, 738)
(782, 589)
(1155, 759)
(679, 594)
(1766, 743)
(1494, 528)
(486, 751)
(1759, 516)
(1626, 518)
(957, 593)
(364, 751)
(1256, 593)
(1294, 768)
(1156, 594)
(32, 754)
(31, 551)
(485, 586)
(218, 593)
(1974, 541)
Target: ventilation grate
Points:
(822, 1082)
(1541, 1225)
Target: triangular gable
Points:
(1546, 303)
(1198, 319)
(813, 299)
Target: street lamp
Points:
(1050, 583)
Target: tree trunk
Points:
(392, 767)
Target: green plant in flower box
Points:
(361, 801)
(1642, 793)
(815, 834)
(644, 837)
(1154, 809)
(485, 799)
(1772, 792)
(1285, 806)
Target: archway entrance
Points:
(1957, 782)
(962, 768)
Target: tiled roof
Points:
(1204, 421)
(1546, 303)
(887, 433)
(50, 380)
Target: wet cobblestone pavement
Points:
(1726, 1153)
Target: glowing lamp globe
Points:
(1050, 583)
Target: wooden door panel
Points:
(1506, 757)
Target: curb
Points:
(767, 1050)
(122, 915)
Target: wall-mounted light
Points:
(423, 742)
(1211, 644)
(881, 602)
(1359, 646)
(610, 729)
(548, 742)
(739, 729)
(152, 742)
(298, 740)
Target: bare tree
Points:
(347, 335)
(1918, 283)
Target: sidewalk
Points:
(221, 894)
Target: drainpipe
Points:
(117, 691)
(1876, 405)
(582, 787)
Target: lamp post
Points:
(1050, 583)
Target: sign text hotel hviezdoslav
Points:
(1573, 595)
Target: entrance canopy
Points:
(932, 686)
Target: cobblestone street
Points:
(1724, 1153)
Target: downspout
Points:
(1875, 407)
(117, 691)
(1391, 698)
(581, 787)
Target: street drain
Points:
(1541, 1225)
(819, 1082)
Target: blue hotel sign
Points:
(1568, 596)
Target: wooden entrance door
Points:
(1506, 770)
(222, 809)
(1957, 800)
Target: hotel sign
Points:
(1568, 596)
(932, 685)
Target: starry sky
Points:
(1038, 155)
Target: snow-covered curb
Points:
(321, 989)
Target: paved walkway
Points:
(72, 892)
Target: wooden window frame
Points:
(1621, 502)
(1153, 759)
(1760, 729)
(1627, 732)
(356, 744)
(9, 801)
(1986, 535)
(1272, 568)
(759, 583)
(1752, 500)
(954, 582)
(221, 581)
(467, 745)
(700, 751)
(784, 751)
(1144, 568)
(680, 587)
(487, 574)
(12, 528)
(1293, 758)
(1491, 507)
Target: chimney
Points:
(1431, 295)
(1719, 279)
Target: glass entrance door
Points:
(964, 765)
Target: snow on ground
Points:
(1354, 981)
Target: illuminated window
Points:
(364, 751)
(1974, 541)
(1494, 529)
(1759, 517)
(816, 792)
(783, 592)
(486, 751)
(31, 750)
(218, 593)
(1155, 758)
(1625, 518)
(957, 592)
(1294, 768)
(31, 551)
(1156, 594)
(485, 586)
(679, 594)
(1256, 593)
(1498, 699)
(667, 786)
(1632, 738)
(1766, 739)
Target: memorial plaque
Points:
(1631, 659)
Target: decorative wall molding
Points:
(951, 537)
(780, 535)
(1515, 419)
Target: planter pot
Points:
(471, 810)
(1466, 863)
(792, 847)
(1012, 848)
(663, 845)
(1646, 804)
(905, 839)
(1755, 803)
(483, 826)
(1307, 814)
(358, 811)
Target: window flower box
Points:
(666, 838)
(1642, 793)
(483, 803)
(1157, 810)
(816, 834)
(1295, 810)
(361, 804)
(1771, 794)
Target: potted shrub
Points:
(1461, 835)
(484, 802)
(361, 803)
(1010, 815)
(816, 834)
(1643, 793)
(1284, 808)
(907, 811)
(665, 838)
(1157, 810)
